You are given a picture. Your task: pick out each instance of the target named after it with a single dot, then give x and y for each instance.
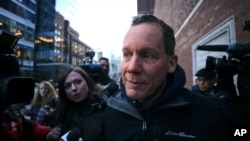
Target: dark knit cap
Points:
(206, 73)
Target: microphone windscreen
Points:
(74, 134)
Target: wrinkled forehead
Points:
(149, 28)
(144, 35)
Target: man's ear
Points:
(172, 63)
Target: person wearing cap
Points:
(205, 82)
(233, 114)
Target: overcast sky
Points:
(101, 24)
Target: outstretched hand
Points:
(54, 134)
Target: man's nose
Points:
(134, 65)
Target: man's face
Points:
(105, 67)
(205, 84)
(145, 64)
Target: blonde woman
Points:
(43, 103)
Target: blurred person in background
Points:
(14, 127)
(43, 103)
(205, 82)
(105, 79)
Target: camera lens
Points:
(210, 63)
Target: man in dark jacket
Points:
(152, 103)
(105, 79)
(205, 82)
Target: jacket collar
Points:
(174, 83)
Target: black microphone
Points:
(74, 134)
(109, 91)
(213, 47)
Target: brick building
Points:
(203, 22)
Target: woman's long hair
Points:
(51, 94)
(64, 103)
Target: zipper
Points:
(144, 126)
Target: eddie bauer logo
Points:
(179, 134)
(240, 132)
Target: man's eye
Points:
(149, 57)
(126, 55)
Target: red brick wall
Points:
(210, 14)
